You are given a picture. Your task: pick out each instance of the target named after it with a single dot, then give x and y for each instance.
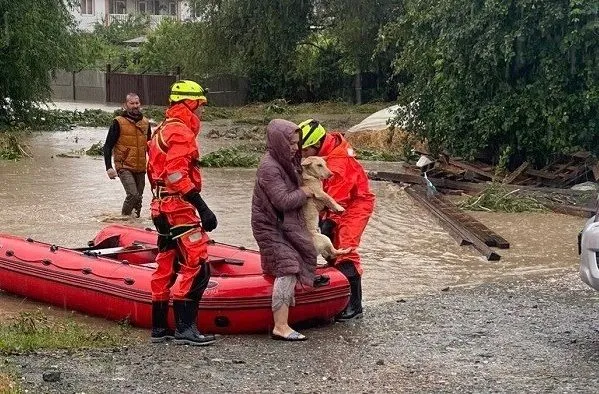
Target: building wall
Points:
(101, 9)
(87, 21)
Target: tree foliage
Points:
(175, 44)
(261, 34)
(486, 75)
(106, 44)
(34, 40)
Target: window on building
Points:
(172, 8)
(118, 7)
(87, 7)
(162, 7)
(143, 7)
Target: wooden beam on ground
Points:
(471, 187)
(572, 210)
(541, 174)
(511, 177)
(478, 229)
(453, 227)
(475, 169)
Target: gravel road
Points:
(526, 335)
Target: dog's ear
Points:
(306, 161)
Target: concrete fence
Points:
(87, 86)
(92, 86)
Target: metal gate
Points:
(152, 89)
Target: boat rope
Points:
(85, 271)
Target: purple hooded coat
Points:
(286, 246)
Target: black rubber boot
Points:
(353, 310)
(187, 332)
(160, 330)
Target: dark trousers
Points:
(134, 184)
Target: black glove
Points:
(327, 227)
(209, 221)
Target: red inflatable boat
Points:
(111, 278)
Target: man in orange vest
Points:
(349, 187)
(181, 217)
(126, 144)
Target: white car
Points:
(588, 247)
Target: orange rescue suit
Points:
(172, 170)
(349, 187)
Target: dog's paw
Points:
(339, 252)
(338, 209)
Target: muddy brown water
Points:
(405, 252)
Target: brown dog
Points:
(315, 170)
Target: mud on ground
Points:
(515, 336)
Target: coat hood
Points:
(184, 114)
(278, 137)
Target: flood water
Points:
(405, 252)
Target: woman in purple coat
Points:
(286, 246)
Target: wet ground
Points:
(502, 326)
(510, 336)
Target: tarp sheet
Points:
(377, 121)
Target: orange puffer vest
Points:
(130, 149)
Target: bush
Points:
(484, 76)
(247, 155)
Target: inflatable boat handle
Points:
(224, 260)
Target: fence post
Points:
(107, 98)
(178, 73)
(74, 86)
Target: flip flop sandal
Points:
(293, 337)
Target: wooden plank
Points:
(449, 168)
(581, 154)
(540, 174)
(511, 177)
(473, 168)
(596, 171)
(461, 238)
(572, 210)
(452, 226)
(466, 186)
(484, 233)
(395, 177)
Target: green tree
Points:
(259, 38)
(355, 26)
(175, 44)
(495, 75)
(318, 71)
(34, 41)
(106, 45)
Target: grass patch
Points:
(34, 330)
(497, 199)
(245, 155)
(11, 147)
(96, 149)
(255, 114)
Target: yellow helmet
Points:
(312, 132)
(187, 90)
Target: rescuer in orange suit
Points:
(349, 187)
(181, 217)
